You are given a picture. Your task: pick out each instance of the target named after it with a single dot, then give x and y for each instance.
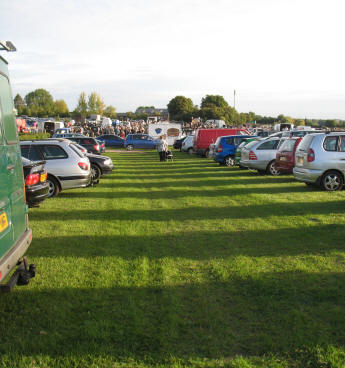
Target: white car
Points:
(187, 145)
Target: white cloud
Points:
(282, 56)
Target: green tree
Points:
(180, 108)
(40, 103)
(214, 100)
(82, 107)
(96, 104)
(110, 111)
(61, 108)
(19, 104)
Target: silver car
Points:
(320, 160)
(66, 166)
(261, 155)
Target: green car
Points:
(239, 149)
(15, 234)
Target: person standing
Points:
(162, 148)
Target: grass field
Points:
(184, 264)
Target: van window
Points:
(6, 106)
(52, 152)
(330, 143)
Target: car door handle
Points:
(10, 167)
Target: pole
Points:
(234, 99)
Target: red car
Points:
(285, 157)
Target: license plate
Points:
(43, 177)
(282, 158)
(300, 160)
(3, 221)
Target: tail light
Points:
(252, 156)
(311, 155)
(32, 179)
(83, 166)
(96, 147)
(220, 148)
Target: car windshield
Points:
(287, 145)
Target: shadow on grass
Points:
(198, 244)
(267, 313)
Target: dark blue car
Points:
(225, 148)
(140, 141)
(111, 140)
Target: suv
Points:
(15, 234)
(140, 141)
(66, 166)
(320, 160)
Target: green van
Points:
(15, 234)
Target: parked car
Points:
(178, 143)
(15, 232)
(241, 146)
(89, 143)
(225, 148)
(67, 135)
(261, 155)
(320, 160)
(285, 157)
(140, 141)
(111, 140)
(204, 137)
(66, 166)
(187, 145)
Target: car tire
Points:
(190, 150)
(54, 188)
(271, 168)
(229, 161)
(95, 173)
(130, 147)
(207, 153)
(332, 181)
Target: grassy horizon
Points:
(183, 264)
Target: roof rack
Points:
(8, 46)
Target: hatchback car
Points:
(140, 141)
(35, 179)
(285, 157)
(261, 155)
(111, 140)
(238, 152)
(320, 160)
(66, 166)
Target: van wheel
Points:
(229, 161)
(54, 188)
(130, 147)
(207, 153)
(332, 181)
(190, 150)
(271, 168)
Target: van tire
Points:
(54, 188)
(206, 154)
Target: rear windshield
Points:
(250, 144)
(288, 145)
(76, 150)
(305, 142)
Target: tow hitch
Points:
(21, 276)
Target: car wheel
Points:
(229, 161)
(207, 153)
(271, 168)
(95, 172)
(190, 150)
(332, 181)
(54, 188)
(130, 147)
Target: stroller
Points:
(169, 156)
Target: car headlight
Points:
(108, 161)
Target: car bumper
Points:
(254, 164)
(72, 182)
(108, 169)
(306, 175)
(36, 194)
(10, 259)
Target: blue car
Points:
(225, 148)
(111, 140)
(140, 141)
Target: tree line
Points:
(40, 103)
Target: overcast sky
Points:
(281, 56)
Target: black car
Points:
(100, 165)
(36, 185)
(91, 144)
(178, 143)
